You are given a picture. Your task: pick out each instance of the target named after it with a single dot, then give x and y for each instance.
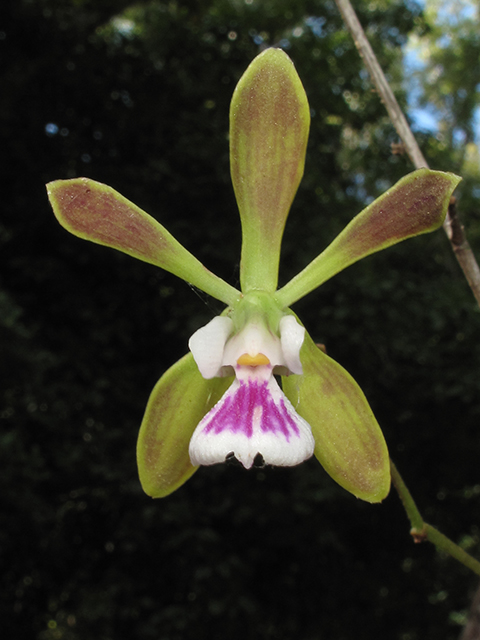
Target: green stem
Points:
(413, 513)
(445, 544)
(421, 530)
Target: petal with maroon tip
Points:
(96, 212)
(269, 123)
(349, 443)
(176, 405)
(417, 204)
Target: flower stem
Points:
(413, 513)
(445, 544)
(421, 530)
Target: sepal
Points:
(416, 204)
(269, 123)
(176, 405)
(96, 212)
(349, 443)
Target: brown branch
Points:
(456, 234)
(472, 628)
(452, 226)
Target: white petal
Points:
(253, 339)
(252, 417)
(292, 336)
(207, 345)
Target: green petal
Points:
(349, 444)
(96, 212)
(176, 405)
(417, 204)
(269, 122)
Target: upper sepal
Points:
(269, 123)
(416, 204)
(349, 443)
(96, 212)
(176, 405)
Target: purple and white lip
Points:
(253, 416)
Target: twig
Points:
(465, 256)
(472, 628)
(421, 530)
(452, 226)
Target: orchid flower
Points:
(222, 399)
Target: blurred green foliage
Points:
(137, 96)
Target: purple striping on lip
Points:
(250, 402)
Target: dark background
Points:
(137, 96)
